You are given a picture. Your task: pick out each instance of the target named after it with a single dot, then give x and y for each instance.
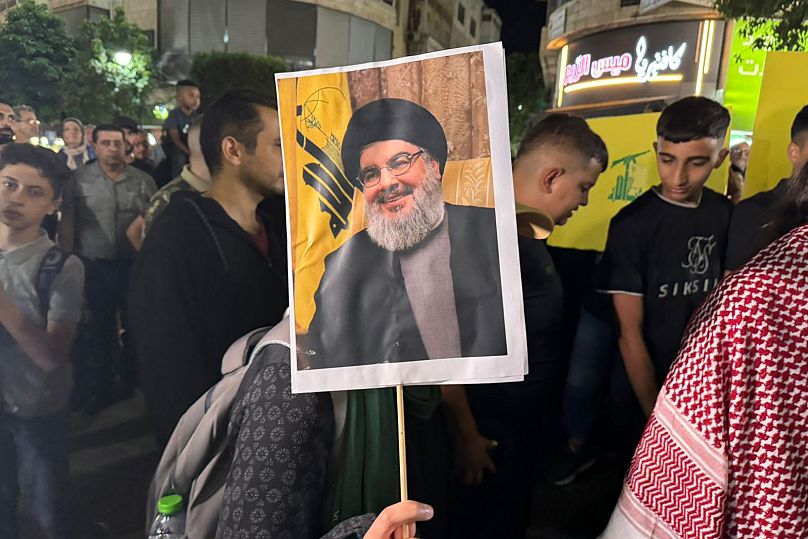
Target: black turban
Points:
(391, 119)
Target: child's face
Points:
(25, 197)
(685, 166)
(188, 97)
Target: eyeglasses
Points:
(397, 165)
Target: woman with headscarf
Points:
(76, 151)
(725, 453)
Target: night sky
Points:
(521, 23)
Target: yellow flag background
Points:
(314, 115)
(632, 171)
(783, 93)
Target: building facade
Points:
(305, 33)
(74, 12)
(606, 57)
(442, 24)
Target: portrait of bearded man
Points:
(422, 281)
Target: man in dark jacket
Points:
(214, 265)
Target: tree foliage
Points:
(217, 72)
(35, 53)
(526, 92)
(98, 87)
(788, 29)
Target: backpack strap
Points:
(50, 267)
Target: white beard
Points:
(399, 233)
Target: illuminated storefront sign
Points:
(640, 62)
(667, 59)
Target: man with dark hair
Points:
(503, 434)
(101, 200)
(27, 126)
(175, 137)
(40, 306)
(751, 227)
(136, 146)
(665, 250)
(213, 266)
(8, 120)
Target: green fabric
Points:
(367, 480)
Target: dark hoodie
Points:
(199, 283)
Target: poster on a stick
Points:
(404, 266)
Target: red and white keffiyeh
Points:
(725, 453)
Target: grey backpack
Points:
(197, 459)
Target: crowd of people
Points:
(125, 266)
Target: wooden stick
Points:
(402, 451)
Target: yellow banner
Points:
(783, 93)
(632, 171)
(314, 115)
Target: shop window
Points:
(473, 27)
(461, 14)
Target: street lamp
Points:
(122, 58)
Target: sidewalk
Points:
(113, 456)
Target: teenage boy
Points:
(751, 228)
(213, 267)
(505, 429)
(665, 250)
(177, 124)
(37, 327)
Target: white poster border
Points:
(464, 370)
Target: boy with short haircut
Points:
(40, 306)
(504, 430)
(665, 250)
(177, 124)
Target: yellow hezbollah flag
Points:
(631, 171)
(782, 94)
(314, 116)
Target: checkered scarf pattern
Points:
(725, 453)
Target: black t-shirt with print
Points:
(672, 255)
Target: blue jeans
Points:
(594, 352)
(39, 453)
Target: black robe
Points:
(363, 315)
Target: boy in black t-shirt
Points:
(175, 138)
(665, 250)
(751, 227)
(504, 434)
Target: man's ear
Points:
(548, 178)
(793, 153)
(721, 156)
(436, 167)
(231, 151)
